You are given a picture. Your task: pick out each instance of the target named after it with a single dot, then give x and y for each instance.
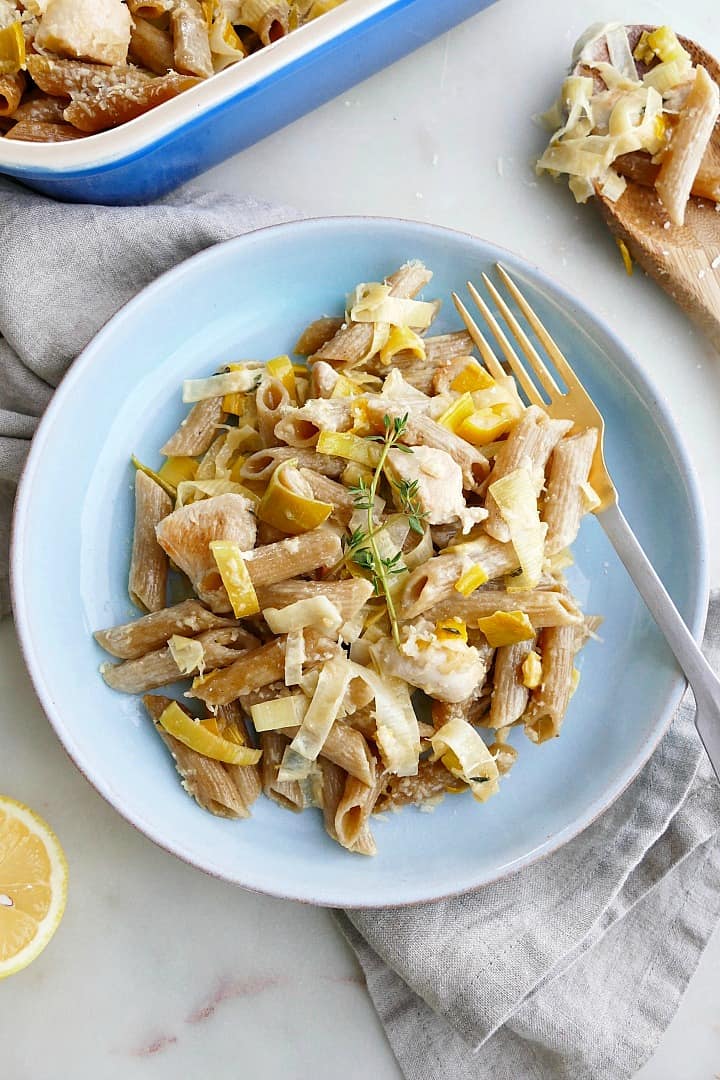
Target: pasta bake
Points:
(70, 68)
(355, 563)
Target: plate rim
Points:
(658, 409)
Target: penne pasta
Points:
(150, 46)
(246, 778)
(528, 446)
(191, 44)
(11, 92)
(353, 814)
(272, 401)
(565, 499)
(197, 431)
(39, 131)
(40, 108)
(543, 608)
(132, 640)
(63, 78)
(289, 558)
(431, 784)
(149, 9)
(434, 581)
(93, 112)
(287, 794)
(346, 747)
(257, 668)
(148, 565)
(221, 647)
(314, 336)
(349, 597)
(510, 694)
(259, 467)
(549, 702)
(208, 782)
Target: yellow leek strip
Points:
(457, 413)
(286, 509)
(574, 681)
(236, 467)
(371, 302)
(344, 444)
(189, 489)
(464, 754)
(234, 403)
(282, 712)
(516, 500)
(193, 734)
(402, 339)
(532, 670)
(167, 487)
(488, 424)
(353, 474)
(236, 381)
(281, 368)
(235, 578)
(177, 469)
(560, 561)
(12, 49)
(506, 628)
(626, 256)
(470, 580)
(344, 387)
(451, 629)
(188, 654)
(590, 498)
(661, 42)
(472, 377)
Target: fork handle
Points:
(702, 679)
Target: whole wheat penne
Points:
(690, 138)
(542, 608)
(197, 431)
(316, 335)
(285, 793)
(353, 340)
(272, 401)
(191, 44)
(327, 490)
(151, 47)
(62, 78)
(549, 702)
(347, 596)
(353, 813)
(221, 648)
(134, 639)
(431, 782)
(296, 555)
(208, 781)
(11, 92)
(259, 467)
(41, 108)
(421, 430)
(257, 668)
(434, 581)
(40, 132)
(346, 747)
(440, 351)
(638, 166)
(262, 693)
(149, 565)
(509, 695)
(564, 503)
(473, 710)
(92, 111)
(333, 787)
(528, 445)
(246, 778)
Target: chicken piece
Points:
(186, 534)
(439, 481)
(446, 670)
(96, 30)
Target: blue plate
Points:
(249, 298)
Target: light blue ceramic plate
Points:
(249, 298)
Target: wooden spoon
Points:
(680, 258)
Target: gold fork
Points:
(574, 403)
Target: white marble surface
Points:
(158, 971)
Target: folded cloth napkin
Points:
(570, 968)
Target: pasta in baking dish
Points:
(372, 547)
(70, 68)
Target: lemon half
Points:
(33, 885)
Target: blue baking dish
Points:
(149, 156)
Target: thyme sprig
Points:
(362, 545)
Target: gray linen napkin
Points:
(571, 968)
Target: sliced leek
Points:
(464, 754)
(235, 577)
(286, 509)
(193, 734)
